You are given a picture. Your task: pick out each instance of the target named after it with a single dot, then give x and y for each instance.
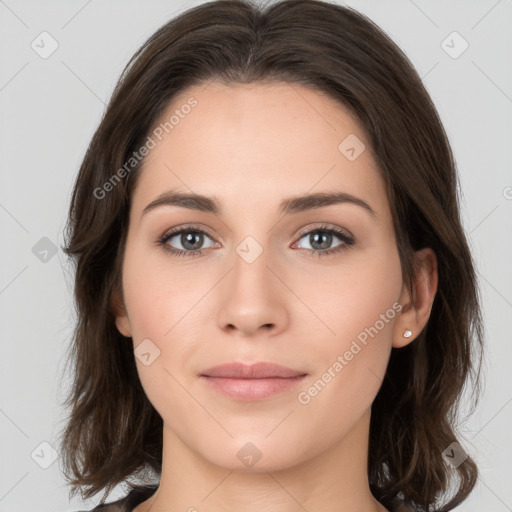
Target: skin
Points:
(252, 146)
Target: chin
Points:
(256, 454)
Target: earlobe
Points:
(120, 314)
(417, 304)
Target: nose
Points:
(253, 298)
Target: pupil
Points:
(323, 244)
(185, 239)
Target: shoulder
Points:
(119, 505)
(128, 503)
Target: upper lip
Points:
(259, 370)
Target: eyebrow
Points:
(294, 204)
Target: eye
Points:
(190, 239)
(320, 241)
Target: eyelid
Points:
(188, 227)
(300, 234)
(172, 232)
(325, 226)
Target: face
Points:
(314, 287)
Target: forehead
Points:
(252, 142)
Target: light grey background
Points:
(49, 109)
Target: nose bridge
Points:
(251, 297)
(250, 260)
(252, 241)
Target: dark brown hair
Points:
(113, 432)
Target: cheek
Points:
(359, 305)
(164, 307)
(350, 297)
(159, 294)
(157, 300)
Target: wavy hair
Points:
(113, 432)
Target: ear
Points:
(417, 303)
(120, 314)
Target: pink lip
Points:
(251, 382)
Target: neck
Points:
(334, 480)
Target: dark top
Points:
(129, 502)
(140, 494)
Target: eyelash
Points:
(346, 239)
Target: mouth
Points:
(251, 382)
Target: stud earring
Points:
(407, 334)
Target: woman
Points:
(277, 306)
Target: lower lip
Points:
(252, 389)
